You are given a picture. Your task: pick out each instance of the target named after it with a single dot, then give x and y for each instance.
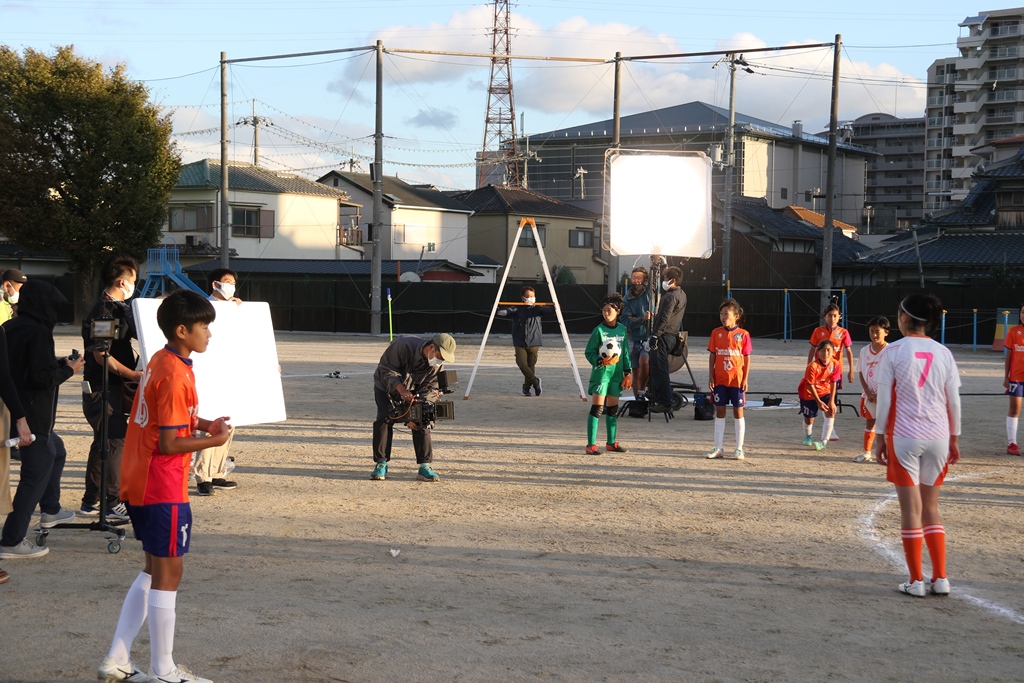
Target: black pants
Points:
(42, 464)
(117, 426)
(659, 383)
(383, 432)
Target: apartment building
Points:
(895, 184)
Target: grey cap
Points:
(446, 344)
(14, 275)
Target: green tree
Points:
(86, 162)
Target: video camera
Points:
(104, 331)
(422, 412)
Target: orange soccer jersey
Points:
(1014, 345)
(730, 347)
(817, 380)
(839, 337)
(166, 399)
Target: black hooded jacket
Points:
(36, 371)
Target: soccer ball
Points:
(610, 348)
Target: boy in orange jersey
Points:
(1013, 379)
(728, 370)
(878, 330)
(154, 487)
(842, 344)
(817, 392)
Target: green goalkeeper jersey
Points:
(599, 336)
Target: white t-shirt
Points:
(866, 366)
(918, 382)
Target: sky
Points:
(318, 112)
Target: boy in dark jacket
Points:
(37, 375)
(526, 337)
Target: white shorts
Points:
(916, 461)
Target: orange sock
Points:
(869, 439)
(913, 539)
(935, 537)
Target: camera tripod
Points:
(101, 524)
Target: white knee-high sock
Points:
(808, 427)
(741, 430)
(826, 429)
(719, 431)
(133, 614)
(1011, 429)
(161, 630)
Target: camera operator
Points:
(118, 275)
(665, 337)
(408, 370)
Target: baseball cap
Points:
(14, 275)
(446, 344)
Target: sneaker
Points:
(380, 471)
(536, 386)
(1013, 449)
(92, 510)
(111, 672)
(204, 488)
(62, 516)
(117, 511)
(808, 440)
(224, 484)
(715, 453)
(737, 454)
(593, 450)
(819, 445)
(915, 588)
(939, 586)
(866, 456)
(24, 549)
(179, 675)
(427, 473)
(526, 391)
(616, 448)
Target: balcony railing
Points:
(1004, 30)
(352, 237)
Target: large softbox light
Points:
(659, 203)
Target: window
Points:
(398, 232)
(251, 222)
(785, 193)
(193, 218)
(431, 247)
(581, 238)
(526, 238)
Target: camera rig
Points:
(424, 413)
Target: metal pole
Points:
(943, 336)
(729, 148)
(616, 99)
(613, 260)
(975, 330)
(225, 207)
(830, 179)
(378, 196)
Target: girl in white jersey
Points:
(919, 414)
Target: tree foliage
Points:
(86, 162)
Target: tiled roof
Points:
(397, 192)
(960, 249)
(279, 266)
(516, 200)
(482, 260)
(1012, 167)
(206, 174)
(816, 219)
(756, 213)
(978, 208)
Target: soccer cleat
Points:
(615, 448)
(112, 672)
(224, 484)
(593, 450)
(915, 588)
(1013, 449)
(117, 511)
(179, 675)
(820, 445)
(380, 471)
(427, 473)
(714, 453)
(808, 440)
(736, 454)
(537, 386)
(62, 516)
(204, 488)
(24, 549)
(939, 587)
(866, 456)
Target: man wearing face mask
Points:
(13, 280)
(665, 337)
(526, 337)
(117, 274)
(636, 313)
(407, 368)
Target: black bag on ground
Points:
(772, 400)
(703, 408)
(637, 409)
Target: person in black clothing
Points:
(12, 411)
(37, 375)
(118, 276)
(665, 337)
(526, 337)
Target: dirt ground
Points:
(530, 561)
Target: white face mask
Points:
(434, 362)
(226, 289)
(530, 300)
(128, 289)
(12, 297)
(666, 285)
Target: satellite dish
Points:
(410, 277)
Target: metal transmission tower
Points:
(500, 124)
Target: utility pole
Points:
(729, 150)
(225, 207)
(377, 176)
(830, 180)
(255, 122)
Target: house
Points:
(569, 234)
(273, 215)
(818, 220)
(418, 221)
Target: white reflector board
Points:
(660, 203)
(238, 373)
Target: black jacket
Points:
(526, 329)
(36, 371)
(671, 309)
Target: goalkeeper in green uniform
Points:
(608, 353)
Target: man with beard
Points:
(635, 315)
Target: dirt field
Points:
(530, 561)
